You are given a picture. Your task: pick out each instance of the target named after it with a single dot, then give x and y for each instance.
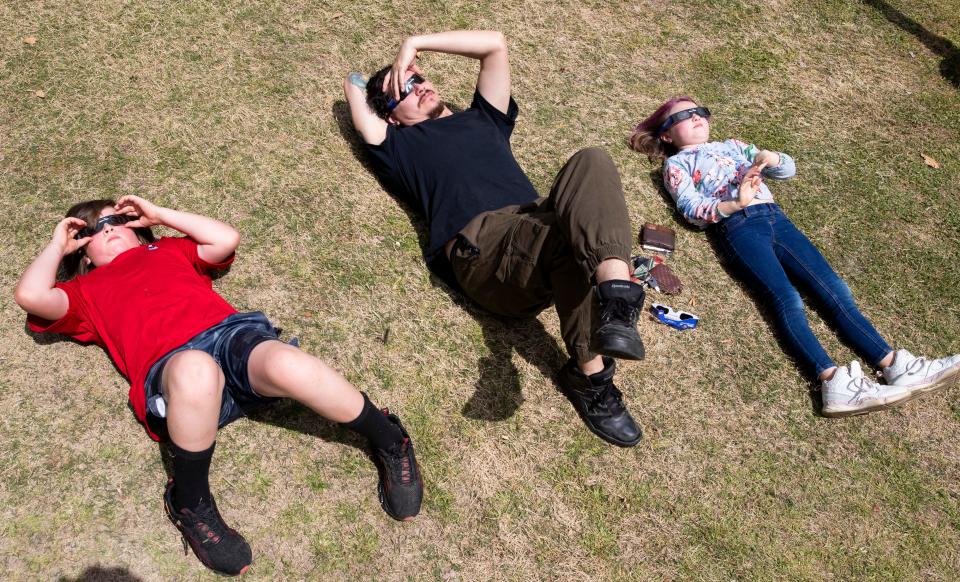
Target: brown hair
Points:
(89, 211)
(646, 137)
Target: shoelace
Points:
(617, 309)
(610, 396)
(400, 461)
(208, 524)
(862, 384)
(917, 366)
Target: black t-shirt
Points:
(453, 168)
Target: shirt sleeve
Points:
(74, 322)
(384, 166)
(504, 121)
(695, 207)
(785, 169)
(188, 247)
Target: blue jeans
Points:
(229, 343)
(770, 255)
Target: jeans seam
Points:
(833, 296)
(787, 328)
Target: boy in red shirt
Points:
(194, 363)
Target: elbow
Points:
(18, 297)
(500, 41)
(24, 298)
(232, 240)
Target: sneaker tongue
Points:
(903, 357)
(855, 371)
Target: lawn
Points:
(235, 109)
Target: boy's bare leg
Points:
(611, 270)
(192, 387)
(279, 369)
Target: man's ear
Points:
(392, 120)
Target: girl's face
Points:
(110, 242)
(689, 132)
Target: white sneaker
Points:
(849, 392)
(921, 375)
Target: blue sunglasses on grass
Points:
(682, 115)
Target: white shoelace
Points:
(916, 366)
(860, 382)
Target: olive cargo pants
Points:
(518, 260)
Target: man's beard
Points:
(437, 111)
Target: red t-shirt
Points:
(144, 303)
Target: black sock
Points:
(191, 472)
(373, 424)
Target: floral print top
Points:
(702, 177)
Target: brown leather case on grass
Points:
(666, 280)
(654, 237)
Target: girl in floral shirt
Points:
(721, 185)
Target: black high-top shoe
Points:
(616, 336)
(600, 403)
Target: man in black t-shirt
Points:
(491, 235)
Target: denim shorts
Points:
(229, 343)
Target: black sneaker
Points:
(616, 336)
(217, 546)
(600, 403)
(400, 487)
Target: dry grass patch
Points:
(236, 110)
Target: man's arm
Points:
(487, 46)
(365, 121)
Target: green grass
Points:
(235, 110)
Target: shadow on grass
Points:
(950, 65)
(287, 414)
(100, 573)
(497, 395)
(48, 339)
(769, 316)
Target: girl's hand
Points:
(767, 159)
(147, 213)
(405, 61)
(63, 236)
(750, 185)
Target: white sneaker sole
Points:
(838, 410)
(944, 379)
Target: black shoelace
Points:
(617, 309)
(399, 462)
(608, 396)
(208, 524)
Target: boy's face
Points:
(110, 242)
